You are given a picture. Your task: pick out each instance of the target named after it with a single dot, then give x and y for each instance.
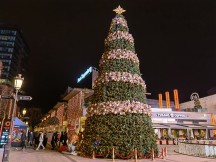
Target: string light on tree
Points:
(118, 114)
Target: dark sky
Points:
(174, 39)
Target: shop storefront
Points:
(175, 124)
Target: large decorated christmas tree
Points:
(118, 114)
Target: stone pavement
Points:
(47, 155)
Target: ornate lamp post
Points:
(17, 85)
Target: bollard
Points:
(113, 154)
(153, 155)
(93, 155)
(135, 150)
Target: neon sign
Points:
(88, 71)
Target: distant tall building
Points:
(13, 53)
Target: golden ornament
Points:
(119, 10)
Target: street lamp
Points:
(17, 85)
(24, 112)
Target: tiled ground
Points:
(47, 155)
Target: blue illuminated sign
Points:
(88, 71)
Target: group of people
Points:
(37, 139)
(58, 139)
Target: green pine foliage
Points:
(121, 65)
(118, 91)
(124, 132)
(120, 44)
(118, 28)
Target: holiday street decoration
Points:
(60, 114)
(118, 115)
(53, 121)
(195, 97)
(74, 112)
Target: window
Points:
(11, 32)
(6, 49)
(7, 44)
(7, 38)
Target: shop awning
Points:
(159, 125)
(176, 126)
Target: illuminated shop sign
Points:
(171, 115)
(88, 71)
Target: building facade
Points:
(13, 53)
(208, 102)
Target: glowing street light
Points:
(18, 82)
(24, 111)
(17, 85)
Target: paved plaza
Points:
(47, 155)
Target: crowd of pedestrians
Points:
(38, 140)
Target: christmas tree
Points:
(119, 115)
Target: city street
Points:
(48, 155)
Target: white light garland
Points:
(118, 20)
(120, 76)
(119, 54)
(119, 107)
(119, 35)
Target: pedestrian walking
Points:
(41, 138)
(23, 140)
(31, 137)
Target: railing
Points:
(134, 153)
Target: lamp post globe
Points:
(24, 111)
(18, 82)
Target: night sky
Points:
(174, 39)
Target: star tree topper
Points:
(119, 10)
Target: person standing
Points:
(45, 140)
(36, 139)
(23, 140)
(65, 139)
(41, 138)
(53, 141)
(61, 138)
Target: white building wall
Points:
(208, 102)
